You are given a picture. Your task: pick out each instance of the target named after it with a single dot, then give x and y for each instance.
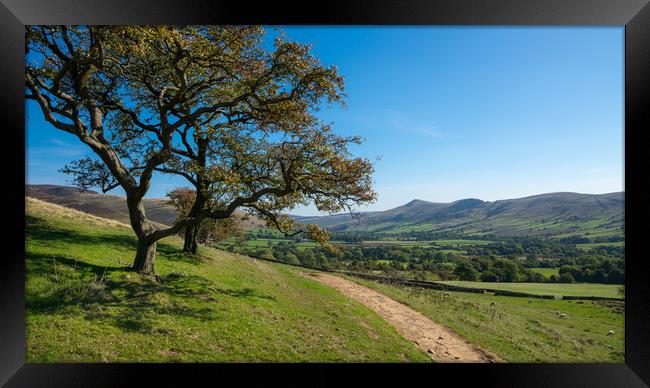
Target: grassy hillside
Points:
(84, 305)
(102, 205)
(522, 331)
(552, 214)
(114, 207)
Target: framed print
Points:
(366, 192)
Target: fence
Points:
(569, 297)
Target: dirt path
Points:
(439, 342)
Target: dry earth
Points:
(438, 341)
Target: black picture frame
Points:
(633, 14)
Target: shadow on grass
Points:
(123, 298)
(40, 230)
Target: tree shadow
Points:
(71, 283)
(40, 230)
(127, 301)
(172, 253)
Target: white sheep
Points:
(562, 316)
(493, 304)
(610, 333)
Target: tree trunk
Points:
(191, 236)
(145, 257)
(192, 232)
(146, 251)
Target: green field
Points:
(557, 228)
(547, 271)
(446, 245)
(84, 305)
(601, 244)
(264, 243)
(576, 289)
(402, 243)
(519, 331)
(461, 242)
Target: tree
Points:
(208, 230)
(621, 292)
(439, 257)
(600, 276)
(465, 271)
(489, 276)
(566, 277)
(575, 272)
(509, 270)
(209, 103)
(535, 277)
(615, 276)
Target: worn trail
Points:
(441, 343)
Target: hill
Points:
(114, 207)
(552, 214)
(84, 305)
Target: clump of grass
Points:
(75, 288)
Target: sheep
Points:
(447, 294)
(493, 304)
(562, 316)
(610, 333)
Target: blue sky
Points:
(452, 112)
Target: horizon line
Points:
(372, 211)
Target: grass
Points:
(519, 331)
(601, 244)
(83, 304)
(402, 243)
(461, 242)
(442, 245)
(263, 243)
(557, 228)
(576, 289)
(547, 271)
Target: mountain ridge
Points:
(558, 214)
(548, 214)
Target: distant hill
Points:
(552, 214)
(114, 206)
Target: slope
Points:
(82, 303)
(114, 206)
(551, 214)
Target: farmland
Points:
(522, 331)
(83, 304)
(546, 271)
(575, 289)
(445, 245)
(601, 244)
(490, 259)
